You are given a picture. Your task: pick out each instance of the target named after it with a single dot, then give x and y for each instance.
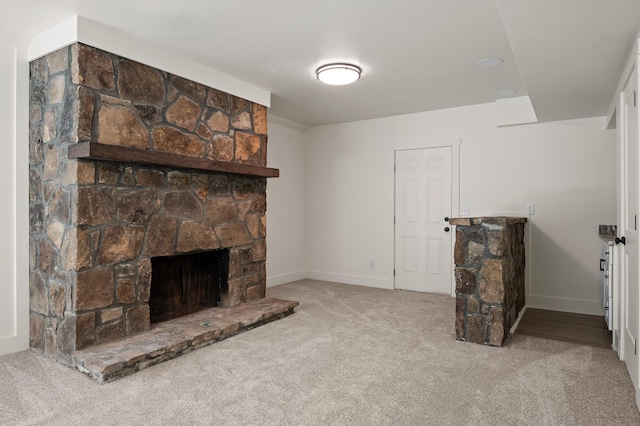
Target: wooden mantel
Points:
(121, 154)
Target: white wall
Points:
(567, 169)
(286, 200)
(14, 282)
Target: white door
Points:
(630, 275)
(422, 236)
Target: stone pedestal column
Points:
(490, 261)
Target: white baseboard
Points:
(13, 344)
(351, 279)
(275, 280)
(577, 306)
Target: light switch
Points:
(531, 208)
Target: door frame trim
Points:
(454, 144)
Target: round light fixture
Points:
(490, 62)
(338, 74)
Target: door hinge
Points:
(635, 98)
(635, 346)
(635, 222)
(394, 220)
(394, 272)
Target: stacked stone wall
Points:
(490, 266)
(95, 225)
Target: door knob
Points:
(446, 229)
(620, 240)
(446, 219)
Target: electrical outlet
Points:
(531, 209)
(464, 209)
(372, 264)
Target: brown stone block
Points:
(49, 131)
(242, 121)
(221, 210)
(204, 132)
(149, 114)
(247, 148)
(234, 263)
(36, 331)
(110, 332)
(85, 329)
(107, 315)
(201, 185)
(161, 236)
(233, 235)
(498, 330)
(495, 242)
(47, 257)
(253, 224)
(473, 305)
(76, 251)
(184, 113)
(194, 90)
(144, 280)
(168, 139)
(221, 148)
(492, 288)
(475, 252)
(259, 251)
(125, 270)
(86, 106)
(475, 233)
(219, 100)
(39, 70)
(244, 188)
(196, 236)
(121, 243)
(259, 119)
(92, 67)
(466, 281)
(183, 204)
(119, 125)
(50, 170)
(35, 185)
(36, 218)
(179, 180)
(238, 104)
(38, 294)
(140, 83)
(55, 232)
(50, 340)
(55, 92)
(219, 185)
(477, 325)
(125, 291)
(60, 204)
(259, 204)
(85, 172)
(218, 122)
(66, 337)
(92, 208)
(147, 177)
(137, 319)
(58, 61)
(460, 317)
(57, 297)
(136, 206)
(108, 174)
(93, 289)
(254, 293)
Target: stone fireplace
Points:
(129, 164)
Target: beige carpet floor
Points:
(349, 355)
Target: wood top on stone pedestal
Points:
(489, 220)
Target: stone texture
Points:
(247, 148)
(38, 294)
(260, 119)
(125, 291)
(194, 90)
(36, 331)
(183, 204)
(50, 169)
(108, 174)
(221, 148)
(93, 289)
(57, 298)
(120, 126)
(242, 121)
(238, 105)
(219, 185)
(56, 89)
(161, 236)
(47, 257)
(92, 67)
(120, 243)
(218, 122)
(144, 280)
(477, 329)
(111, 314)
(137, 319)
(233, 235)
(60, 204)
(149, 114)
(196, 236)
(85, 329)
(86, 106)
(476, 252)
(184, 113)
(140, 83)
(55, 232)
(253, 224)
(179, 180)
(221, 210)
(58, 61)
(36, 218)
(465, 280)
(147, 177)
(496, 242)
(91, 207)
(49, 131)
(168, 139)
(497, 332)
(492, 288)
(259, 253)
(110, 332)
(204, 132)
(136, 206)
(219, 100)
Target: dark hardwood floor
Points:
(590, 330)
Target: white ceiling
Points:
(416, 55)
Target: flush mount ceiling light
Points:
(338, 74)
(490, 62)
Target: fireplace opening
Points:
(187, 283)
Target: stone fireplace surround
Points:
(142, 178)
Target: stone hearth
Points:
(96, 221)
